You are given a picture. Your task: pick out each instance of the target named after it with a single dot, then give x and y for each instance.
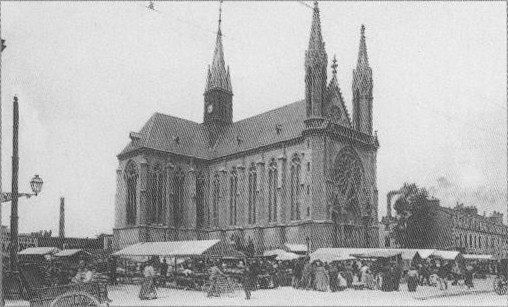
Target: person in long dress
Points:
(341, 280)
(306, 281)
(321, 278)
(368, 279)
(333, 275)
(147, 291)
(412, 279)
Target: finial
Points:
(315, 4)
(220, 12)
(334, 65)
(363, 29)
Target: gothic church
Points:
(304, 173)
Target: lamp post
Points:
(36, 186)
(2, 302)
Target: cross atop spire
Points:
(363, 59)
(220, 16)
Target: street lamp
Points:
(36, 186)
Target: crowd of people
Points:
(266, 272)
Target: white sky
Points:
(88, 73)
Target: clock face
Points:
(209, 109)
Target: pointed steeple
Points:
(363, 59)
(362, 89)
(218, 75)
(316, 38)
(218, 106)
(316, 62)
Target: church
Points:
(304, 173)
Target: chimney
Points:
(61, 233)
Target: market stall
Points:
(192, 273)
(37, 254)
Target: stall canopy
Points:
(296, 248)
(341, 254)
(287, 256)
(387, 253)
(330, 255)
(71, 253)
(478, 257)
(40, 251)
(447, 255)
(209, 248)
(275, 252)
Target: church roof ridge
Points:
(269, 111)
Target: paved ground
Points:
(481, 295)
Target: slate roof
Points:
(161, 131)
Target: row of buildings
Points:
(44, 239)
(459, 228)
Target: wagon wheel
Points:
(74, 299)
(500, 285)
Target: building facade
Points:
(305, 171)
(461, 229)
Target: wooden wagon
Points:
(41, 293)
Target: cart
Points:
(41, 293)
(501, 280)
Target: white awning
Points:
(275, 252)
(387, 253)
(39, 251)
(70, 252)
(329, 257)
(212, 248)
(447, 255)
(299, 248)
(478, 257)
(287, 256)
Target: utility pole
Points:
(14, 191)
(2, 302)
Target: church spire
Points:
(362, 89)
(218, 74)
(316, 38)
(218, 106)
(363, 59)
(316, 62)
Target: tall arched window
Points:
(233, 197)
(348, 176)
(252, 194)
(470, 240)
(215, 203)
(156, 210)
(179, 193)
(272, 191)
(295, 187)
(131, 176)
(200, 200)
